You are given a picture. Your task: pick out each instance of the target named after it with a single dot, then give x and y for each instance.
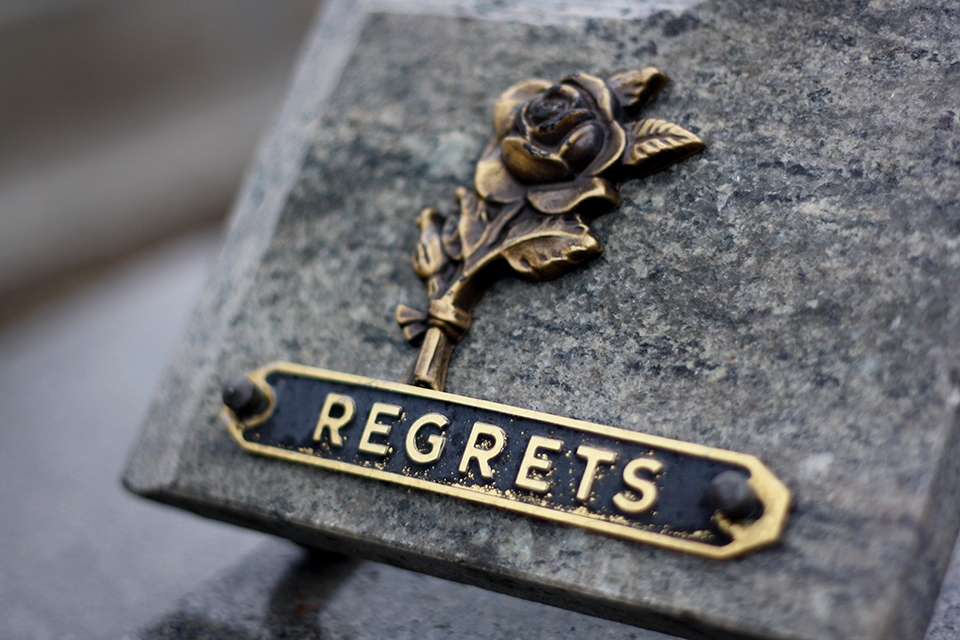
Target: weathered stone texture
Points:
(790, 293)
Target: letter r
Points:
(348, 409)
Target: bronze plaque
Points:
(634, 486)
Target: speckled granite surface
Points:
(279, 591)
(788, 293)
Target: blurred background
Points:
(125, 122)
(125, 128)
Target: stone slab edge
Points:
(266, 186)
(152, 467)
(941, 522)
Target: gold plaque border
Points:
(763, 532)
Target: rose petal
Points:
(596, 89)
(530, 163)
(583, 145)
(544, 109)
(570, 94)
(565, 197)
(569, 97)
(616, 142)
(511, 98)
(552, 132)
(494, 182)
(616, 139)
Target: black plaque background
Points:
(681, 484)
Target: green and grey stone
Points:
(279, 591)
(789, 293)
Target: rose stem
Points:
(430, 368)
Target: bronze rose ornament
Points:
(558, 158)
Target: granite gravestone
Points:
(785, 294)
(280, 591)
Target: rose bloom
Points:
(554, 142)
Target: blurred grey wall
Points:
(125, 121)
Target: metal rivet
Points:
(730, 493)
(242, 396)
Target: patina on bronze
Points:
(557, 159)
